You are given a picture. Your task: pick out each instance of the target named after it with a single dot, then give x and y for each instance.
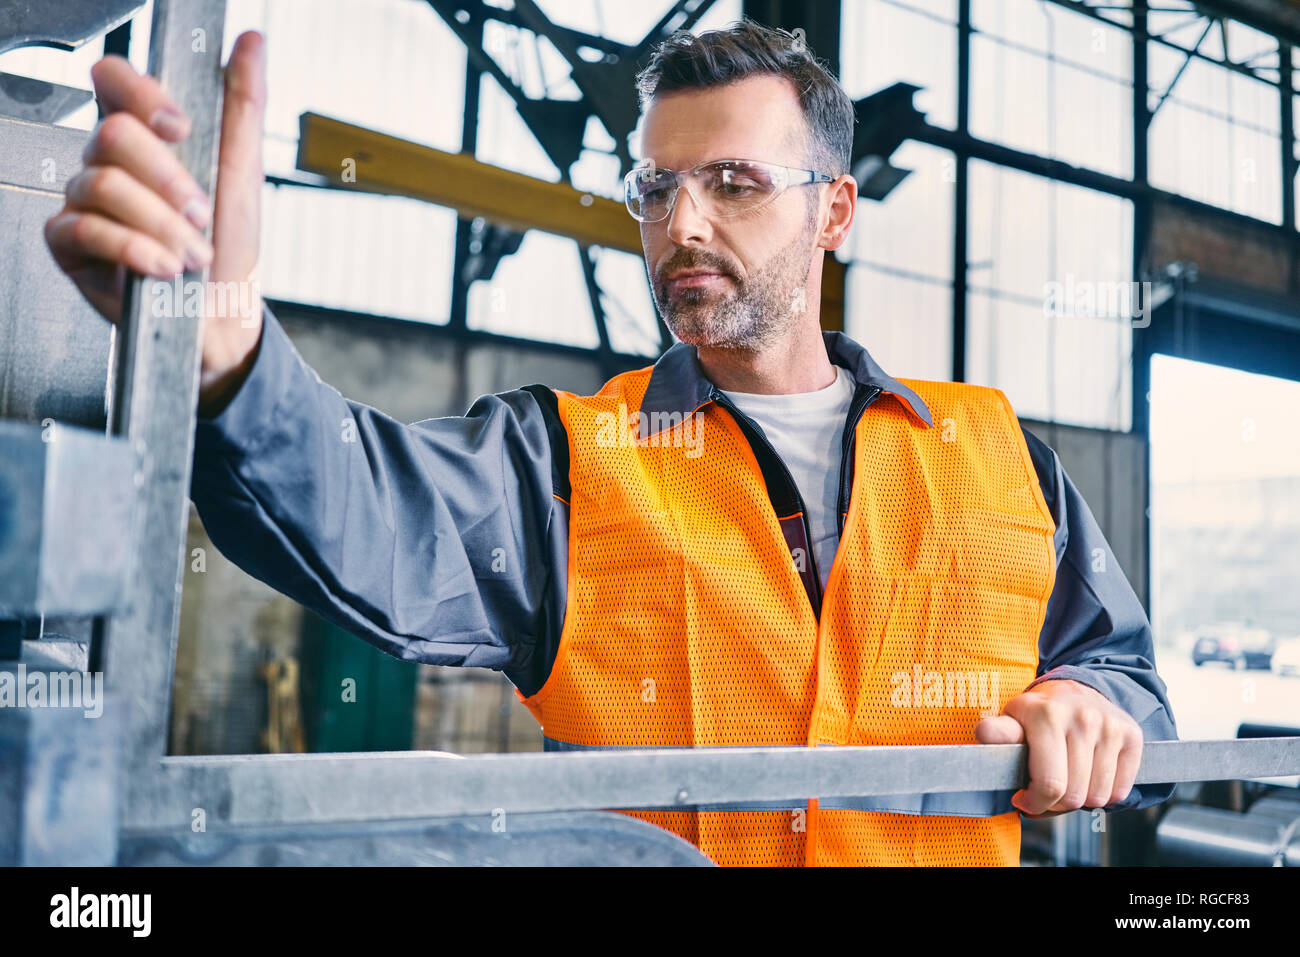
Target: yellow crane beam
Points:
(353, 157)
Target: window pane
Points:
(343, 59)
(911, 230)
(1225, 544)
(884, 42)
(625, 297)
(504, 138)
(899, 295)
(905, 323)
(1054, 83)
(537, 293)
(388, 256)
(628, 23)
(385, 255)
(1215, 138)
(1050, 300)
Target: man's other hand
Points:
(1084, 751)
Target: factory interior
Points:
(1090, 206)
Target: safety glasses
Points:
(720, 188)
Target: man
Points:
(763, 539)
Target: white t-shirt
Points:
(806, 429)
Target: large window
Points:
(882, 42)
(1048, 292)
(390, 256)
(1049, 300)
(1051, 82)
(899, 296)
(1215, 129)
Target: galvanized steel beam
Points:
(67, 497)
(60, 783)
(156, 380)
(245, 790)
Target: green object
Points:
(354, 697)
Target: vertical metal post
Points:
(604, 350)
(1143, 339)
(1290, 166)
(818, 23)
(459, 309)
(155, 376)
(1141, 212)
(961, 193)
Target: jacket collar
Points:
(678, 383)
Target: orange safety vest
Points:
(688, 625)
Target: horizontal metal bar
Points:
(439, 335)
(963, 144)
(39, 101)
(38, 156)
(242, 790)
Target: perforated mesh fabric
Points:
(906, 840)
(687, 624)
(738, 838)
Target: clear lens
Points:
(724, 188)
(731, 187)
(650, 193)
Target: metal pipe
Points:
(1192, 835)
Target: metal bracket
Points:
(64, 24)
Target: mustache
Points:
(695, 260)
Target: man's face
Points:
(759, 261)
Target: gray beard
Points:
(753, 317)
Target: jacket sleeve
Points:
(434, 541)
(1096, 631)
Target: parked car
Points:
(1286, 657)
(1234, 645)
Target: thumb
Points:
(237, 214)
(1002, 729)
